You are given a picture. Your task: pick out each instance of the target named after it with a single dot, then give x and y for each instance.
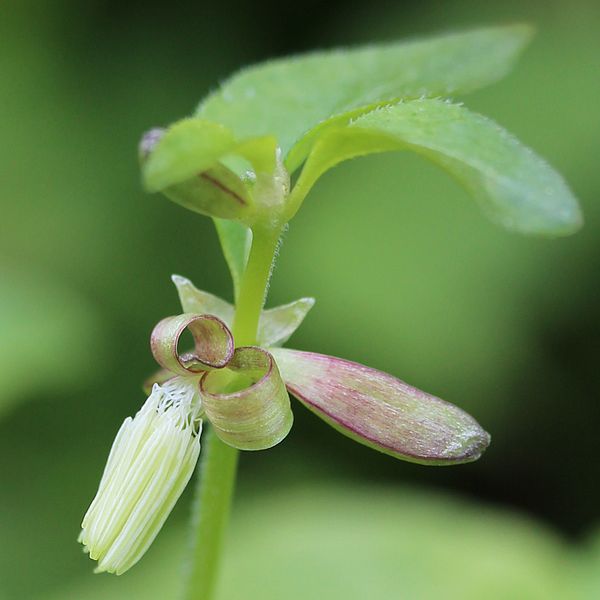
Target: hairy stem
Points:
(254, 285)
(216, 482)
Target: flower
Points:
(370, 406)
(243, 393)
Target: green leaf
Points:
(289, 97)
(515, 187)
(189, 147)
(235, 240)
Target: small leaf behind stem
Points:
(235, 241)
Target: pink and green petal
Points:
(213, 343)
(380, 411)
(247, 403)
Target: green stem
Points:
(254, 285)
(216, 481)
(212, 502)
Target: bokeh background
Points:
(408, 275)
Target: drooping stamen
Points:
(150, 463)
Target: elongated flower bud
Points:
(256, 413)
(150, 463)
(380, 411)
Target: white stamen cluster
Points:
(150, 463)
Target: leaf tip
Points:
(566, 219)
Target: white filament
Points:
(151, 460)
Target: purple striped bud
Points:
(380, 411)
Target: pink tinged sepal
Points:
(275, 326)
(216, 192)
(213, 344)
(247, 403)
(380, 411)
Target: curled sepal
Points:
(380, 411)
(213, 343)
(248, 404)
(150, 463)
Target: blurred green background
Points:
(421, 286)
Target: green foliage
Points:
(326, 107)
(351, 543)
(293, 98)
(45, 349)
(514, 186)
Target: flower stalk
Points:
(218, 463)
(210, 514)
